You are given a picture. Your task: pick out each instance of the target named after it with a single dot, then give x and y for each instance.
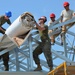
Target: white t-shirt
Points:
(50, 23)
(67, 15)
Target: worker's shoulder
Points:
(70, 10)
(46, 26)
(1, 16)
(63, 10)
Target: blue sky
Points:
(36, 7)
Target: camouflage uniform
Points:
(45, 47)
(6, 55)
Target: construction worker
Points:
(3, 20)
(66, 14)
(52, 19)
(44, 46)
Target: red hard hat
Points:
(52, 15)
(65, 4)
(43, 18)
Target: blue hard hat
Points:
(8, 13)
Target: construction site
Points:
(21, 57)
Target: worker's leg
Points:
(47, 52)
(71, 24)
(63, 32)
(6, 60)
(0, 57)
(36, 54)
(52, 39)
(63, 29)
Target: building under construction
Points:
(21, 58)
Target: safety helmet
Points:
(66, 4)
(52, 15)
(43, 18)
(8, 13)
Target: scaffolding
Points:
(21, 58)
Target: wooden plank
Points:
(19, 40)
(69, 68)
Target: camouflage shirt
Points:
(3, 20)
(44, 34)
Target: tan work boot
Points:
(38, 68)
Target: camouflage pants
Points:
(45, 48)
(5, 58)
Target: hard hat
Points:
(66, 4)
(52, 15)
(8, 13)
(43, 18)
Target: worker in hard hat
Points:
(52, 19)
(44, 46)
(5, 19)
(66, 14)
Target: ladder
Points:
(64, 69)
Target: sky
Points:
(37, 7)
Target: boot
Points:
(6, 68)
(38, 68)
(51, 68)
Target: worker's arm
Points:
(61, 16)
(2, 30)
(9, 22)
(61, 19)
(39, 27)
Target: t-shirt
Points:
(3, 20)
(67, 14)
(50, 22)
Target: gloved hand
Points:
(35, 21)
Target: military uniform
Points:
(5, 58)
(45, 47)
(2, 30)
(2, 21)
